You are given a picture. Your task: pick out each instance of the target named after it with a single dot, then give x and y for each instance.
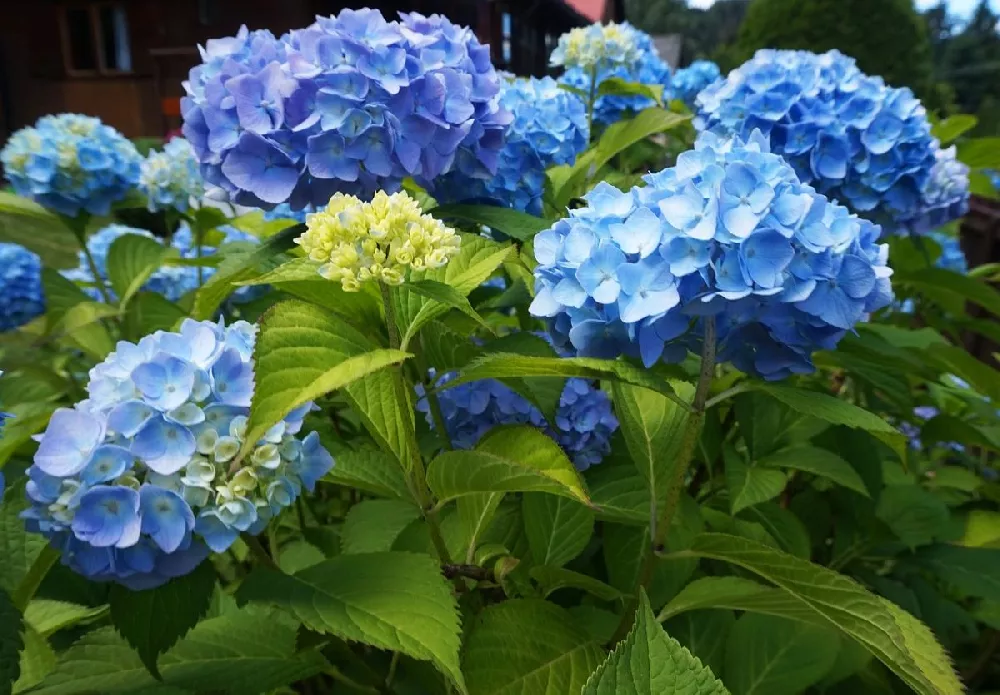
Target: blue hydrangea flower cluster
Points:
(549, 128)
(70, 163)
(187, 277)
(945, 196)
(729, 232)
(912, 430)
(854, 139)
(646, 67)
(952, 256)
(138, 483)
(352, 104)
(583, 427)
(170, 179)
(687, 83)
(596, 46)
(285, 212)
(21, 295)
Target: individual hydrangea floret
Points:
(359, 242)
(170, 178)
(584, 421)
(729, 232)
(21, 295)
(687, 83)
(945, 196)
(351, 104)
(549, 128)
(137, 483)
(71, 163)
(645, 67)
(854, 139)
(596, 46)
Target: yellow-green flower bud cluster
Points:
(358, 242)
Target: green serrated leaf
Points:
(750, 485)
(373, 399)
(966, 287)
(149, 312)
(894, 636)
(980, 153)
(766, 655)
(396, 601)
(38, 660)
(475, 513)
(650, 662)
(819, 462)
(558, 528)
(47, 616)
(11, 643)
(18, 548)
(973, 571)
(527, 646)
(508, 459)
(442, 294)
(620, 494)
(551, 579)
(616, 85)
(514, 223)
(914, 514)
(738, 593)
(304, 352)
(370, 470)
(953, 127)
(652, 425)
(132, 259)
(28, 224)
(704, 634)
(152, 621)
(372, 526)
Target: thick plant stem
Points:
(416, 475)
(660, 523)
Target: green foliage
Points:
(898, 51)
(11, 643)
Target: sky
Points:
(959, 8)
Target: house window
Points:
(95, 39)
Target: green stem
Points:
(660, 523)
(80, 229)
(416, 475)
(339, 677)
(25, 591)
(258, 551)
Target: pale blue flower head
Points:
(688, 82)
(945, 196)
(597, 46)
(170, 178)
(729, 232)
(21, 295)
(352, 104)
(856, 140)
(71, 163)
(583, 426)
(137, 483)
(549, 128)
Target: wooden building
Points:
(124, 60)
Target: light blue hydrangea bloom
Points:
(854, 139)
(583, 427)
(945, 196)
(728, 232)
(70, 163)
(170, 179)
(597, 46)
(645, 67)
(549, 128)
(140, 481)
(21, 295)
(688, 82)
(351, 104)
(952, 257)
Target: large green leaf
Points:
(652, 425)
(916, 515)
(766, 655)
(973, 571)
(443, 294)
(552, 579)
(750, 485)
(821, 462)
(898, 639)
(37, 660)
(132, 259)
(620, 494)
(704, 634)
(11, 643)
(370, 470)
(834, 410)
(514, 223)
(509, 365)
(738, 593)
(396, 601)
(558, 528)
(372, 526)
(968, 288)
(48, 616)
(616, 85)
(18, 548)
(241, 266)
(304, 352)
(153, 620)
(527, 647)
(980, 153)
(508, 459)
(374, 399)
(650, 662)
(953, 127)
(28, 224)
(149, 312)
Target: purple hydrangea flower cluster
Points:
(21, 293)
(647, 67)
(351, 104)
(853, 138)
(71, 163)
(729, 232)
(549, 128)
(687, 83)
(137, 483)
(584, 421)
